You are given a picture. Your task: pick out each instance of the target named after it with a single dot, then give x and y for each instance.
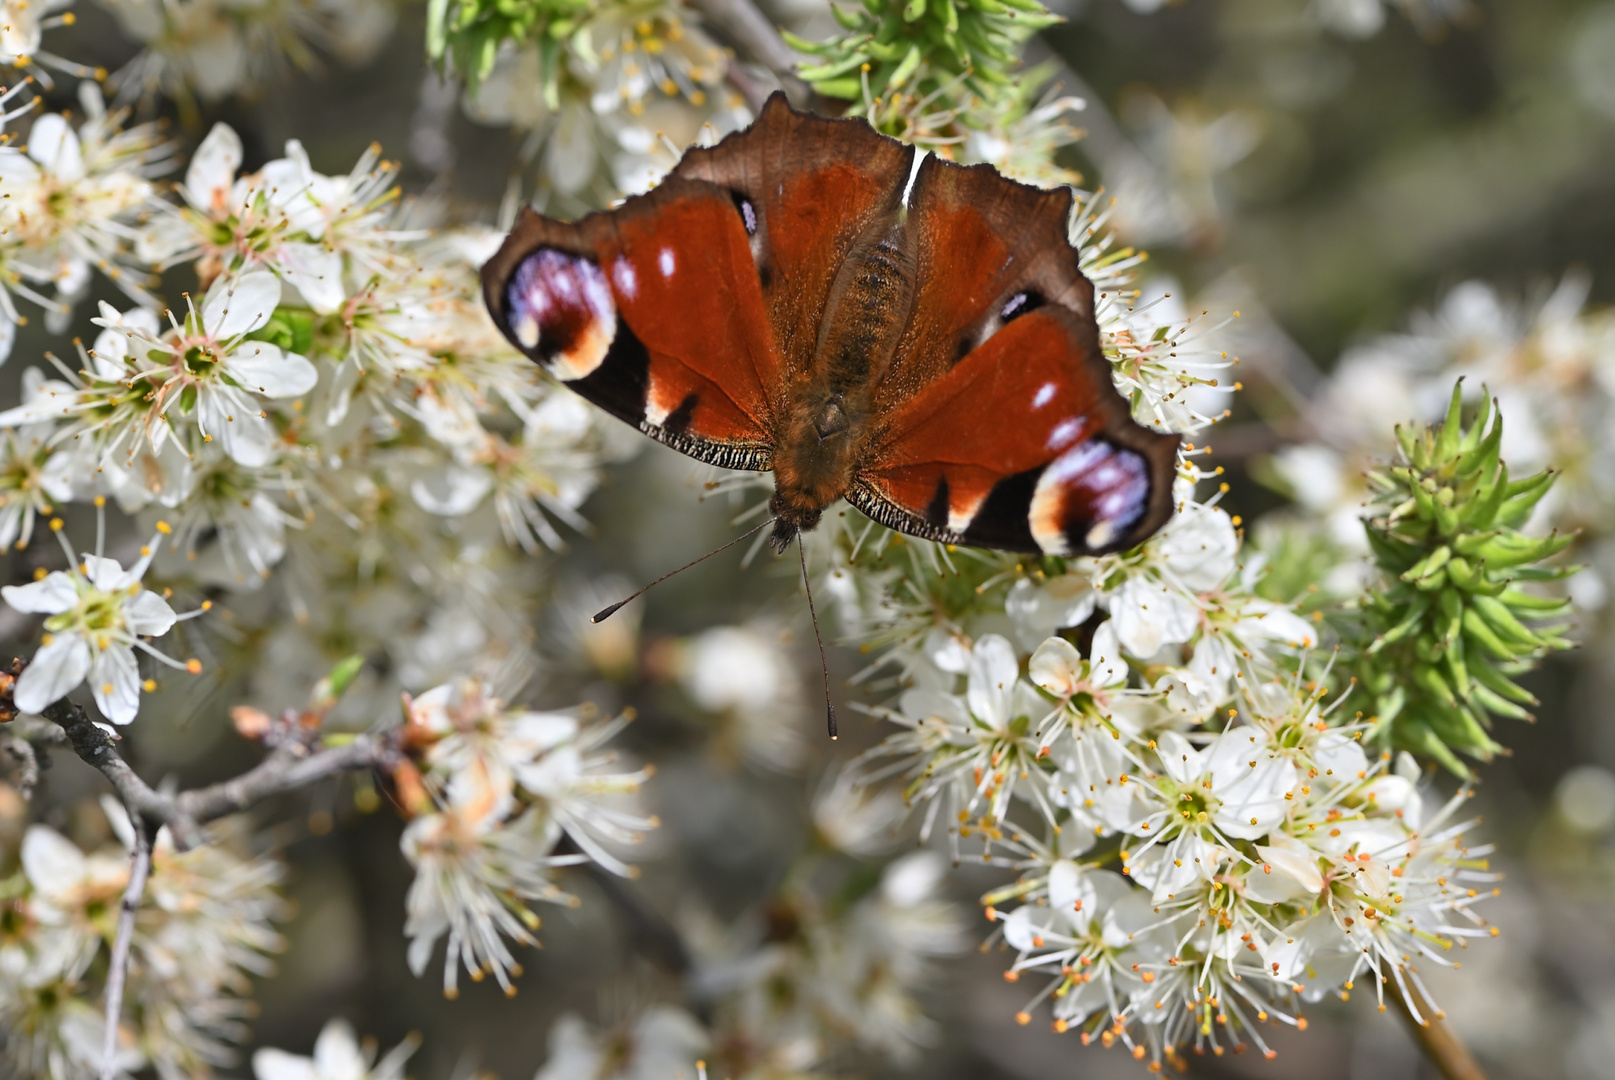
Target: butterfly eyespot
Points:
(1088, 498)
(559, 310)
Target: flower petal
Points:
(1180, 760)
(106, 575)
(1278, 623)
(53, 863)
(51, 595)
(336, 1053)
(452, 491)
(554, 775)
(1071, 893)
(1108, 667)
(213, 169)
(54, 145)
(248, 438)
(54, 670)
(1057, 666)
(264, 369)
(240, 306)
(315, 271)
(1149, 614)
(993, 670)
(272, 1064)
(1339, 757)
(115, 682)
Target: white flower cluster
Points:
(496, 792)
(816, 975)
(205, 925)
(609, 115)
(1263, 857)
(337, 360)
(335, 407)
(72, 201)
(211, 49)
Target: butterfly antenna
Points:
(829, 706)
(605, 613)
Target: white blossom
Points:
(338, 1055)
(98, 614)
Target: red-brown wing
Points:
(806, 188)
(1023, 445)
(652, 311)
(987, 249)
(1002, 427)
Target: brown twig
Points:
(118, 967)
(293, 764)
(1434, 1035)
(287, 769)
(96, 748)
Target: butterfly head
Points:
(790, 520)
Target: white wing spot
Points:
(1044, 395)
(665, 261)
(1065, 432)
(527, 331)
(628, 281)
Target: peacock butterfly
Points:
(799, 298)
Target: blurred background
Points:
(1404, 185)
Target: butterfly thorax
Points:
(829, 406)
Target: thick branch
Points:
(1435, 1036)
(118, 968)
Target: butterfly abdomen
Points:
(829, 409)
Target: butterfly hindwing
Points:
(652, 311)
(986, 250)
(1022, 445)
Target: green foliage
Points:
(290, 328)
(334, 685)
(1439, 644)
(470, 31)
(947, 56)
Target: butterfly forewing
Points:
(654, 312)
(983, 244)
(807, 189)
